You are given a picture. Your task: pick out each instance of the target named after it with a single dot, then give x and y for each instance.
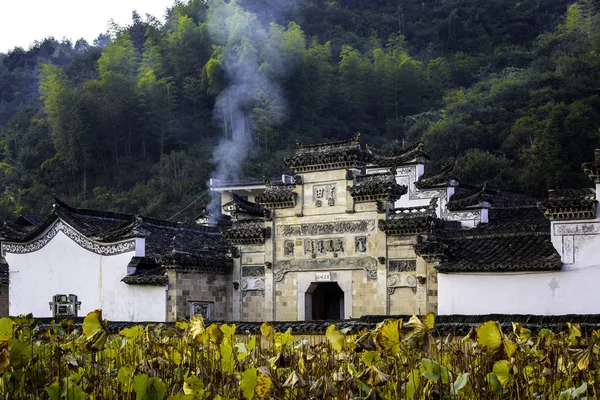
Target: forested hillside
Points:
(507, 90)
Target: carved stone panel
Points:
(369, 264)
(360, 244)
(327, 228)
(253, 270)
(403, 265)
(288, 248)
(323, 193)
(200, 308)
(253, 284)
(400, 281)
(317, 247)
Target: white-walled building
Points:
(133, 268)
(348, 232)
(522, 264)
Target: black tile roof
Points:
(515, 239)
(441, 178)
(349, 154)
(376, 187)
(238, 206)
(571, 204)
(247, 231)
(409, 155)
(467, 197)
(500, 253)
(411, 220)
(278, 196)
(167, 243)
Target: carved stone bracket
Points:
(81, 240)
(252, 284)
(368, 264)
(399, 281)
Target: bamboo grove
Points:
(395, 360)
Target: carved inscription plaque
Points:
(324, 194)
(577, 229)
(369, 264)
(327, 228)
(317, 247)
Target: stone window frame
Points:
(210, 304)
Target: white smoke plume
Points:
(243, 41)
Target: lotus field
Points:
(396, 360)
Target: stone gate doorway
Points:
(324, 300)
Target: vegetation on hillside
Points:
(395, 360)
(506, 90)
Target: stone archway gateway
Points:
(324, 301)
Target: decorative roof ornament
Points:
(438, 179)
(592, 169)
(376, 187)
(278, 196)
(409, 221)
(569, 204)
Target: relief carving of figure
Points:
(288, 248)
(360, 244)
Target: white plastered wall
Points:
(63, 267)
(570, 291)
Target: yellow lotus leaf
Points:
(502, 370)
(510, 347)
(251, 345)
(183, 325)
(196, 326)
(267, 331)
(94, 330)
(522, 333)
(248, 383)
(388, 336)
(227, 359)
(336, 338)
(6, 329)
(284, 339)
(214, 333)
(263, 386)
(429, 320)
(228, 332)
(193, 386)
(582, 357)
(489, 336)
(134, 333)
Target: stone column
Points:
(270, 250)
(236, 298)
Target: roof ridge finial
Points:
(356, 137)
